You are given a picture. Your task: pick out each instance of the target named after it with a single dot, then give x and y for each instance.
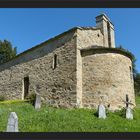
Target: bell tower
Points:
(107, 28)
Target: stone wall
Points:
(56, 86)
(41, 49)
(86, 38)
(107, 29)
(82, 77)
(106, 78)
(89, 38)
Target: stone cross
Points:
(38, 101)
(101, 111)
(129, 113)
(12, 125)
(127, 102)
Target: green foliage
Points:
(12, 101)
(7, 52)
(31, 98)
(137, 84)
(49, 119)
(121, 113)
(2, 97)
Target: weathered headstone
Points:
(38, 101)
(12, 125)
(101, 111)
(129, 113)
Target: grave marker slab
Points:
(101, 111)
(12, 125)
(38, 101)
(129, 113)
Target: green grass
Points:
(49, 119)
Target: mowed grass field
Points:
(49, 119)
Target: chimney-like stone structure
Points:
(107, 28)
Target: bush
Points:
(31, 98)
(121, 112)
(2, 97)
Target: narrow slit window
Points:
(54, 61)
(131, 73)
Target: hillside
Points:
(49, 119)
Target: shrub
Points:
(121, 112)
(2, 97)
(31, 98)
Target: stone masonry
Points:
(78, 68)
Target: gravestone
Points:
(12, 125)
(129, 113)
(38, 101)
(101, 111)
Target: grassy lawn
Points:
(49, 119)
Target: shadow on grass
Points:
(95, 114)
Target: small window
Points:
(54, 61)
(131, 73)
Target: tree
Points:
(137, 84)
(7, 52)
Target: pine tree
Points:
(7, 52)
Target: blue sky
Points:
(26, 28)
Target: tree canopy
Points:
(7, 51)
